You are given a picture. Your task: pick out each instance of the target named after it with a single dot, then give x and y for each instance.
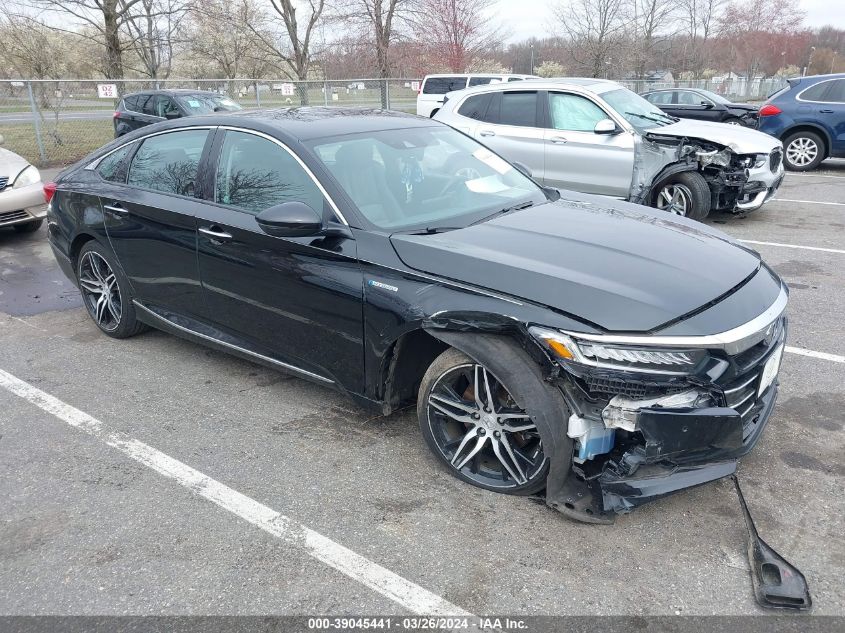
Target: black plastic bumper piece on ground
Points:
(777, 584)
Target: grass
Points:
(63, 145)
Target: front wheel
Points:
(472, 423)
(685, 194)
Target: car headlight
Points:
(29, 176)
(663, 360)
(753, 160)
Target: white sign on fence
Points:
(107, 91)
(415, 86)
(288, 90)
(17, 84)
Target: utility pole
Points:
(532, 59)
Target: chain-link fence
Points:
(58, 122)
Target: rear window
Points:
(482, 81)
(132, 103)
(442, 85)
(659, 97)
(816, 93)
(836, 92)
(518, 108)
(476, 107)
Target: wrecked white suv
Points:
(596, 136)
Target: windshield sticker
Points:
(488, 184)
(492, 161)
(378, 284)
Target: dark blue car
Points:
(809, 117)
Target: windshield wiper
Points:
(431, 230)
(513, 207)
(666, 117)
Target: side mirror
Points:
(522, 169)
(172, 114)
(290, 219)
(605, 126)
(707, 105)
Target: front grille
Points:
(3, 182)
(13, 216)
(774, 160)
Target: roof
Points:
(172, 91)
(588, 83)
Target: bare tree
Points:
(594, 28)
(651, 22)
(701, 19)
(380, 17)
(459, 30)
(152, 28)
(295, 50)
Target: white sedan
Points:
(22, 202)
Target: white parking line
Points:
(401, 591)
(808, 248)
(835, 204)
(791, 175)
(808, 352)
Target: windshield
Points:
(636, 110)
(208, 103)
(427, 178)
(713, 96)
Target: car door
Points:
(134, 115)
(166, 108)
(663, 99)
(295, 299)
(512, 127)
(576, 157)
(692, 105)
(831, 114)
(150, 220)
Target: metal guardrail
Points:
(54, 122)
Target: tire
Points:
(732, 120)
(494, 452)
(685, 194)
(433, 112)
(96, 270)
(29, 227)
(803, 151)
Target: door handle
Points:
(215, 232)
(826, 111)
(116, 208)
(558, 140)
(487, 133)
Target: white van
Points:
(434, 88)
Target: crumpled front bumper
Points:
(762, 185)
(682, 449)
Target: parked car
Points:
(606, 352)
(808, 115)
(152, 106)
(434, 88)
(703, 105)
(595, 136)
(22, 204)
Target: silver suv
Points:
(596, 136)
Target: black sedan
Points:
(139, 109)
(689, 103)
(605, 352)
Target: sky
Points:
(521, 17)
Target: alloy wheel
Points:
(802, 151)
(100, 291)
(481, 431)
(675, 198)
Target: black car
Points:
(605, 352)
(690, 103)
(140, 109)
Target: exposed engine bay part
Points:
(777, 584)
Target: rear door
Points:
(576, 157)
(134, 115)
(512, 127)
(831, 114)
(295, 299)
(151, 220)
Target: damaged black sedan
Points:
(604, 352)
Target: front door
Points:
(579, 159)
(150, 220)
(297, 300)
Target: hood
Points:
(741, 140)
(620, 266)
(11, 164)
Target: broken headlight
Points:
(661, 360)
(623, 412)
(753, 160)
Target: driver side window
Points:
(574, 113)
(254, 174)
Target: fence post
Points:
(387, 93)
(36, 122)
(326, 92)
(257, 96)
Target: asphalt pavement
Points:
(121, 496)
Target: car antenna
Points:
(777, 584)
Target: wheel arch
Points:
(77, 243)
(810, 127)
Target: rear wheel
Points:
(685, 194)
(105, 292)
(472, 423)
(803, 151)
(29, 227)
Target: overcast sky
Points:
(526, 18)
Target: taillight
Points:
(49, 190)
(770, 110)
(116, 114)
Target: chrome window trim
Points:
(285, 366)
(732, 341)
(96, 162)
(818, 83)
(297, 159)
